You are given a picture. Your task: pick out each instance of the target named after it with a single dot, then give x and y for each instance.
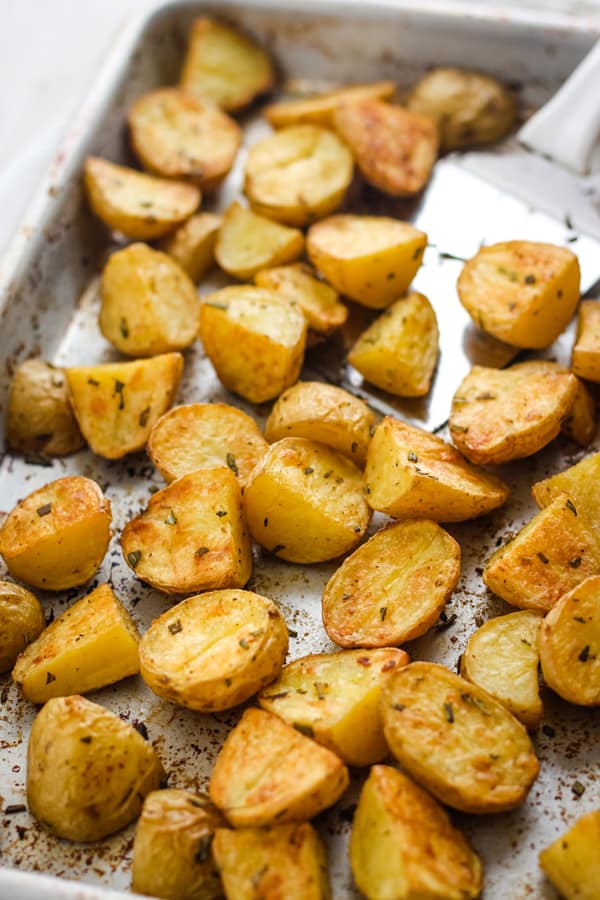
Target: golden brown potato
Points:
(21, 621)
(581, 482)
(192, 535)
(225, 66)
(371, 259)
(503, 414)
(56, 537)
(412, 474)
(334, 698)
(581, 423)
(255, 338)
(404, 846)
(320, 108)
(393, 588)
(305, 502)
(117, 404)
(192, 245)
(90, 645)
(522, 292)
(399, 350)
(318, 300)
(572, 863)
(585, 360)
(140, 206)
(551, 555)
(324, 413)
(149, 305)
(267, 772)
(172, 855)
(248, 242)
(455, 740)
(39, 418)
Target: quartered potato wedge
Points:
(585, 360)
(320, 108)
(21, 621)
(581, 423)
(572, 863)
(454, 739)
(192, 244)
(248, 242)
(581, 482)
(318, 300)
(393, 588)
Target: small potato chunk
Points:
(551, 555)
(305, 502)
(88, 771)
(403, 845)
(267, 772)
(172, 848)
(319, 109)
(318, 300)
(398, 351)
(140, 206)
(283, 861)
(57, 536)
(255, 338)
(117, 404)
(394, 148)
(191, 536)
(585, 360)
(371, 259)
(502, 658)
(572, 863)
(192, 245)
(454, 739)
(503, 414)
(581, 423)
(225, 66)
(411, 473)
(205, 435)
(21, 621)
(149, 305)
(90, 645)
(524, 293)
(214, 651)
(393, 588)
(39, 418)
(334, 698)
(581, 482)
(471, 108)
(570, 645)
(248, 242)
(325, 413)
(177, 135)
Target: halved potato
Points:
(90, 645)
(572, 863)
(455, 740)
(140, 206)
(117, 404)
(371, 259)
(319, 109)
(581, 423)
(248, 242)
(393, 588)
(267, 772)
(57, 536)
(403, 845)
(398, 351)
(581, 482)
(192, 535)
(305, 502)
(585, 360)
(192, 245)
(21, 621)
(318, 300)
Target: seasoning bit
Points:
(124, 328)
(543, 557)
(292, 633)
(221, 513)
(575, 563)
(530, 279)
(15, 808)
(171, 518)
(275, 696)
(412, 456)
(202, 551)
(119, 385)
(570, 505)
(399, 707)
(203, 848)
(308, 470)
(230, 460)
(143, 420)
(445, 621)
(215, 305)
(44, 510)
(87, 739)
(320, 688)
(585, 654)
(578, 788)
(549, 731)
(382, 612)
(140, 727)
(278, 548)
(50, 677)
(175, 627)
(133, 558)
(449, 712)
(93, 382)
(306, 730)
(244, 644)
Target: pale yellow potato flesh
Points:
(192, 244)
(248, 242)
(572, 863)
(320, 108)
(582, 422)
(21, 621)
(581, 482)
(318, 300)
(585, 360)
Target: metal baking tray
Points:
(48, 297)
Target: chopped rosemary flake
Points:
(443, 255)
(570, 505)
(244, 644)
(486, 395)
(371, 430)
(119, 390)
(140, 727)
(44, 510)
(143, 420)
(308, 470)
(412, 456)
(50, 677)
(214, 305)
(445, 621)
(87, 739)
(363, 661)
(277, 696)
(579, 619)
(203, 848)
(14, 808)
(530, 279)
(585, 654)
(449, 712)
(304, 729)
(171, 518)
(230, 460)
(202, 551)
(278, 548)
(475, 701)
(382, 612)
(93, 382)
(543, 557)
(133, 558)
(320, 688)
(575, 563)
(460, 429)
(292, 633)
(399, 707)
(175, 627)
(578, 788)
(549, 731)
(354, 447)
(221, 513)
(124, 327)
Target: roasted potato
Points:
(305, 502)
(371, 259)
(39, 418)
(248, 242)
(21, 621)
(503, 414)
(140, 206)
(325, 413)
(399, 350)
(149, 305)
(88, 771)
(268, 772)
(572, 863)
(581, 482)
(404, 846)
(522, 292)
(56, 537)
(455, 740)
(117, 404)
(90, 645)
(334, 698)
(192, 535)
(192, 245)
(411, 474)
(581, 423)
(551, 555)
(320, 108)
(393, 588)
(585, 360)
(172, 855)
(318, 300)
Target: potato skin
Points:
(21, 621)
(248, 242)
(320, 109)
(571, 863)
(318, 300)
(585, 360)
(192, 245)
(581, 423)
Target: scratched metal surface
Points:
(48, 284)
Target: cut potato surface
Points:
(248, 242)
(571, 863)
(585, 360)
(319, 109)
(267, 772)
(455, 740)
(21, 621)
(192, 245)
(581, 482)
(393, 588)
(318, 300)
(403, 845)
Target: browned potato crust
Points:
(581, 482)
(320, 108)
(192, 245)
(21, 621)
(581, 423)
(585, 361)
(572, 863)
(248, 242)
(318, 300)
